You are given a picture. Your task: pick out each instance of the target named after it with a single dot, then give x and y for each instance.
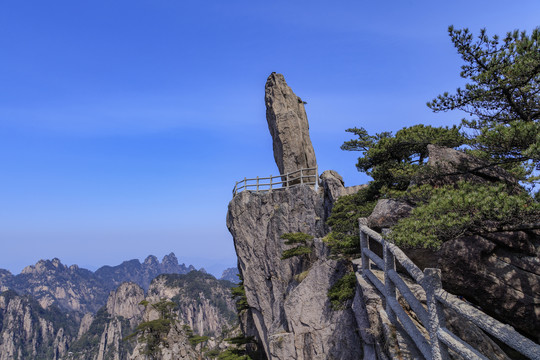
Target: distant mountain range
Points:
(52, 311)
(80, 290)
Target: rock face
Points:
(387, 213)
(334, 187)
(28, 331)
(288, 125)
(289, 311)
(125, 302)
(453, 166)
(500, 272)
(204, 305)
(71, 288)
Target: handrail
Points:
(308, 176)
(440, 338)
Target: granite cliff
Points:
(287, 309)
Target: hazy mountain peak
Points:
(170, 260)
(151, 260)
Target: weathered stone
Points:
(23, 323)
(451, 166)
(125, 302)
(332, 184)
(288, 125)
(85, 324)
(503, 278)
(290, 315)
(387, 213)
(334, 187)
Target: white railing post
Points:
(389, 287)
(270, 183)
(364, 244)
(316, 177)
(257, 184)
(431, 283)
(287, 180)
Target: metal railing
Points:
(307, 176)
(433, 320)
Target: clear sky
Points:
(125, 124)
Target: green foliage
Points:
(296, 251)
(212, 354)
(393, 161)
(502, 97)
(233, 354)
(297, 238)
(342, 291)
(238, 349)
(195, 340)
(343, 239)
(239, 294)
(154, 333)
(450, 211)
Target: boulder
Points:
(334, 187)
(288, 125)
(452, 166)
(387, 213)
(500, 272)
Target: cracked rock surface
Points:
(289, 308)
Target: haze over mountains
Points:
(77, 289)
(54, 311)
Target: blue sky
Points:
(125, 124)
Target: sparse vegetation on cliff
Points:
(342, 291)
(239, 294)
(343, 239)
(153, 333)
(302, 242)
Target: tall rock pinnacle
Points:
(288, 125)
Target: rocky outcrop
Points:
(288, 125)
(387, 213)
(203, 307)
(86, 321)
(334, 187)
(71, 288)
(451, 166)
(28, 331)
(500, 272)
(125, 302)
(204, 303)
(101, 337)
(289, 311)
